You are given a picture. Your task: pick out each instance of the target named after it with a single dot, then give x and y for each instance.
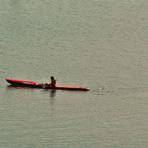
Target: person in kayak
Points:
(53, 82)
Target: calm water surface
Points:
(99, 44)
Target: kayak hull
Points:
(68, 88)
(23, 83)
(26, 83)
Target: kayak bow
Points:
(23, 83)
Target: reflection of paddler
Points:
(52, 93)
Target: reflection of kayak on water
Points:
(42, 85)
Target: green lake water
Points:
(100, 44)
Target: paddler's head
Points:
(52, 78)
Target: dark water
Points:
(99, 44)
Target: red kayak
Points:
(32, 84)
